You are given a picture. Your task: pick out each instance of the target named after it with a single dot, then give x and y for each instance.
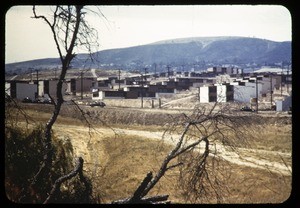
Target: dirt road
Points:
(274, 161)
(243, 156)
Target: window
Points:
(212, 89)
(96, 94)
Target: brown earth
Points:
(118, 156)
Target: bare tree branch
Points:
(67, 21)
(197, 177)
(11, 105)
(59, 181)
(138, 198)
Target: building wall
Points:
(284, 105)
(41, 87)
(97, 95)
(53, 87)
(50, 86)
(245, 93)
(87, 85)
(216, 93)
(11, 88)
(7, 88)
(26, 90)
(101, 95)
(266, 84)
(221, 93)
(68, 86)
(204, 94)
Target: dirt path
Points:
(178, 101)
(263, 159)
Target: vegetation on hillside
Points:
(23, 152)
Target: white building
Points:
(241, 90)
(216, 93)
(207, 94)
(244, 91)
(245, 88)
(111, 94)
(267, 83)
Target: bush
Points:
(24, 152)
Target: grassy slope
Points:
(117, 164)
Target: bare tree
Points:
(195, 154)
(69, 30)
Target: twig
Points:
(137, 194)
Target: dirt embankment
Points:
(138, 116)
(262, 159)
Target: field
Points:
(123, 145)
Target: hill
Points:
(177, 52)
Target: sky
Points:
(124, 26)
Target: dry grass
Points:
(129, 158)
(127, 161)
(118, 163)
(273, 137)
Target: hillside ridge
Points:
(176, 52)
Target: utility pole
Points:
(281, 78)
(168, 67)
(154, 70)
(242, 70)
(287, 79)
(31, 75)
(37, 83)
(81, 84)
(119, 79)
(271, 91)
(142, 90)
(199, 94)
(145, 74)
(256, 95)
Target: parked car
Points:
(46, 101)
(37, 100)
(97, 103)
(27, 100)
(246, 108)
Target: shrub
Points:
(24, 152)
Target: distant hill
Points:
(216, 50)
(26, 66)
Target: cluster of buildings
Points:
(145, 86)
(33, 90)
(217, 84)
(242, 89)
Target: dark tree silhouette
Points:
(69, 30)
